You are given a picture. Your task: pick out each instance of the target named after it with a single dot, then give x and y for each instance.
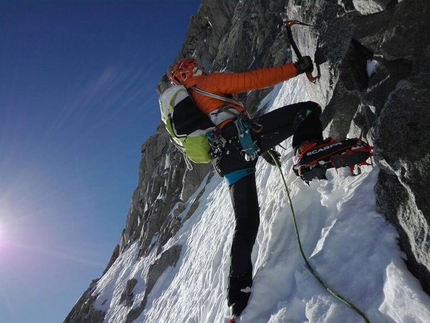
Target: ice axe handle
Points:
(289, 23)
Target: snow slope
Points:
(347, 242)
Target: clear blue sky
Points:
(77, 101)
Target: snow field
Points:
(347, 242)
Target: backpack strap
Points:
(220, 115)
(217, 97)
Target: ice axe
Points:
(288, 24)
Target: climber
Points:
(236, 163)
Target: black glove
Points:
(304, 64)
(267, 157)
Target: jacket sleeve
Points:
(248, 81)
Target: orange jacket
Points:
(223, 84)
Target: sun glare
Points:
(2, 243)
(3, 235)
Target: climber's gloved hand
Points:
(267, 157)
(304, 64)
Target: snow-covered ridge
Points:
(349, 244)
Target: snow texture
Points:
(349, 244)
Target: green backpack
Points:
(186, 124)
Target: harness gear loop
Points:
(308, 265)
(216, 141)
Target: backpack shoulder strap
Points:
(169, 98)
(217, 97)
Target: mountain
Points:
(367, 236)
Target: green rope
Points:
(308, 265)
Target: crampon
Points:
(314, 161)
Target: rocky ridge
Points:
(374, 61)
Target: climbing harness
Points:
(244, 129)
(308, 265)
(288, 24)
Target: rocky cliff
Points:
(373, 56)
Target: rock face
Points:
(164, 184)
(405, 161)
(373, 56)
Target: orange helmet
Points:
(183, 70)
